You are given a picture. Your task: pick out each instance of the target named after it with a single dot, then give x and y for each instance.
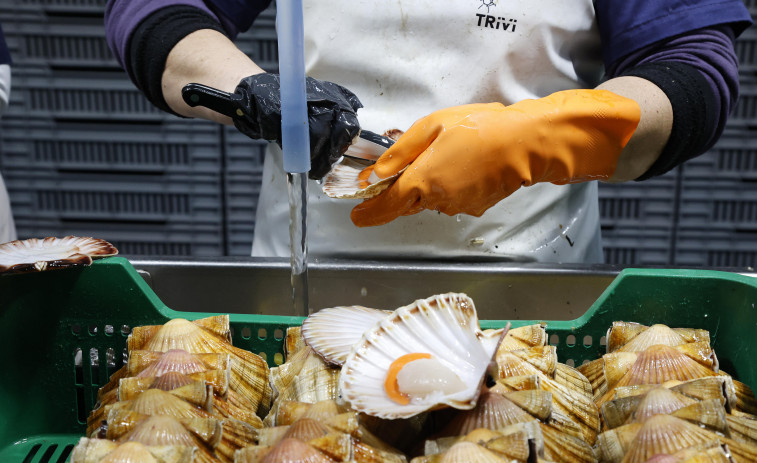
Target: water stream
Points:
(297, 186)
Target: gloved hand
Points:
(331, 113)
(467, 158)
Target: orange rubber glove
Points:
(467, 158)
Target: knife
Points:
(368, 146)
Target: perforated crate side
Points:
(88, 7)
(651, 202)
(243, 153)
(637, 245)
(117, 197)
(726, 206)
(60, 43)
(100, 96)
(715, 248)
(733, 158)
(744, 115)
(187, 239)
(242, 193)
(746, 51)
(191, 146)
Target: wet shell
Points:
(444, 326)
(37, 255)
(218, 380)
(157, 402)
(620, 333)
(708, 413)
(742, 428)
(658, 401)
(612, 445)
(332, 332)
(292, 451)
(347, 180)
(293, 340)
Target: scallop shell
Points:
(565, 448)
(218, 380)
(613, 444)
(144, 363)
(157, 402)
(655, 365)
(249, 372)
(293, 340)
(289, 451)
(637, 408)
(468, 452)
(742, 428)
(332, 332)
(663, 434)
(620, 333)
(105, 451)
(349, 179)
(37, 255)
(524, 337)
(708, 413)
(492, 411)
(444, 326)
(654, 335)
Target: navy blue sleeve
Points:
(5, 55)
(626, 26)
(238, 13)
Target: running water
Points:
(297, 185)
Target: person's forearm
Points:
(651, 136)
(205, 57)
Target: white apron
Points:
(7, 226)
(406, 59)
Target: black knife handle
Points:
(212, 98)
(386, 142)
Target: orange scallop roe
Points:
(363, 177)
(391, 386)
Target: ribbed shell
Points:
(652, 336)
(492, 411)
(468, 452)
(36, 254)
(332, 332)
(445, 326)
(345, 181)
(295, 451)
(105, 451)
(663, 434)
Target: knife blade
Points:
(368, 146)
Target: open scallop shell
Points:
(346, 180)
(444, 326)
(332, 332)
(37, 255)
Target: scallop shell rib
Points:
(445, 326)
(101, 450)
(344, 180)
(332, 332)
(37, 255)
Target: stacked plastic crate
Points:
(718, 207)
(84, 153)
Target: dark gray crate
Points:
(638, 245)
(243, 154)
(719, 205)
(744, 115)
(172, 147)
(715, 248)
(81, 7)
(242, 193)
(59, 41)
(651, 202)
(204, 240)
(746, 51)
(177, 198)
(733, 158)
(91, 96)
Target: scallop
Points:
(352, 178)
(382, 377)
(37, 255)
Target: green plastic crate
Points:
(46, 318)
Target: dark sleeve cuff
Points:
(153, 40)
(694, 108)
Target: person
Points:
(7, 225)
(512, 110)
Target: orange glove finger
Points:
(392, 203)
(410, 145)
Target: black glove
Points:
(331, 115)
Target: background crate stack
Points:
(83, 152)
